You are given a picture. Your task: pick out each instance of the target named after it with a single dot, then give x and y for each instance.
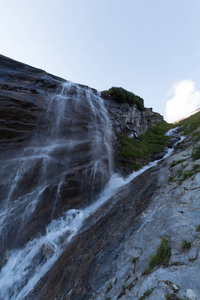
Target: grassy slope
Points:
(191, 124)
(152, 142)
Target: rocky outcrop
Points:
(127, 119)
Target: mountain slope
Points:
(142, 243)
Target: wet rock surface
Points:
(53, 150)
(91, 258)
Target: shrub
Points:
(123, 96)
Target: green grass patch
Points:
(152, 142)
(191, 124)
(146, 294)
(129, 276)
(161, 257)
(190, 173)
(187, 174)
(198, 228)
(186, 245)
(171, 178)
(196, 153)
(134, 260)
(179, 173)
(172, 297)
(176, 162)
(115, 281)
(109, 288)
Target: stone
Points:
(190, 294)
(48, 249)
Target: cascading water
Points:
(51, 160)
(64, 166)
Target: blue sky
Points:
(149, 47)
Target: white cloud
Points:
(185, 100)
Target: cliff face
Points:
(56, 157)
(128, 120)
(55, 149)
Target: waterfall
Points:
(72, 149)
(63, 167)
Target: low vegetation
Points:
(198, 228)
(196, 153)
(123, 96)
(191, 124)
(146, 294)
(183, 175)
(186, 245)
(109, 287)
(172, 297)
(176, 162)
(161, 257)
(152, 142)
(134, 260)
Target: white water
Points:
(76, 120)
(25, 267)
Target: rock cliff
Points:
(128, 120)
(54, 140)
(143, 243)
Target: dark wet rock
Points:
(71, 173)
(91, 258)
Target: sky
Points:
(149, 47)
